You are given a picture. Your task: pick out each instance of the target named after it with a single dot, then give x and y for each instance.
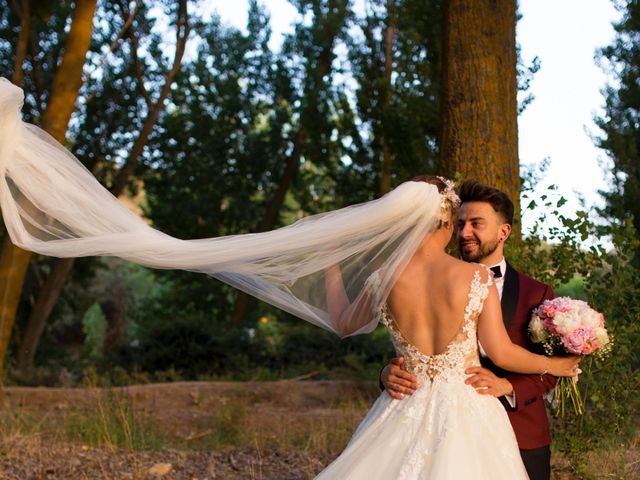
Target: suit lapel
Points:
(510, 292)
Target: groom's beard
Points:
(484, 250)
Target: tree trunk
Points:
(13, 260)
(23, 42)
(389, 41)
(68, 78)
(47, 297)
(114, 313)
(24, 13)
(479, 136)
(52, 288)
(64, 92)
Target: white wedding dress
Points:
(445, 429)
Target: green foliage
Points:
(609, 277)
(214, 161)
(619, 123)
(95, 328)
(409, 123)
(192, 346)
(567, 256)
(574, 288)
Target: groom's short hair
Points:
(474, 191)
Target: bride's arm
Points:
(509, 356)
(346, 316)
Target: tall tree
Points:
(309, 52)
(210, 162)
(479, 133)
(394, 59)
(621, 122)
(23, 10)
(52, 286)
(388, 43)
(64, 92)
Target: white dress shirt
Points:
(500, 286)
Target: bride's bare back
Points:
(429, 298)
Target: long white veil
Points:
(52, 205)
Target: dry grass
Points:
(613, 461)
(284, 430)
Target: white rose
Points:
(601, 336)
(565, 323)
(591, 319)
(538, 332)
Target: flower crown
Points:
(448, 198)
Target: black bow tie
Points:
(497, 273)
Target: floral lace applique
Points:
(461, 352)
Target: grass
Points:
(110, 418)
(111, 422)
(236, 425)
(611, 460)
(260, 417)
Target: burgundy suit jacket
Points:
(520, 295)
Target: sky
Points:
(558, 124)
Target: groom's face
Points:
(479, 233)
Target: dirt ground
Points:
(202, 430)
(285, 428)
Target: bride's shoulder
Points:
(461, 264)
(470, 269)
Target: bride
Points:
(345, 271)
(437, 312)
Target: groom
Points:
(484, 224)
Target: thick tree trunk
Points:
(52, 288)
(64, 92)
(68, 78)
(13, 260)
(479, 137)
(389, 42)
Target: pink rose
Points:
(590, 347)
(581, 341)
(549, 310)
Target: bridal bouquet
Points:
(565, 325)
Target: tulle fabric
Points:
(54, 206)
(442, 431)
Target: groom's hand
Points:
(398, 382)
(487, 383)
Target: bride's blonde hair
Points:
(450, 202)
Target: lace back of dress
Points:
(459, 354)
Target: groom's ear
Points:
(505, 231)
